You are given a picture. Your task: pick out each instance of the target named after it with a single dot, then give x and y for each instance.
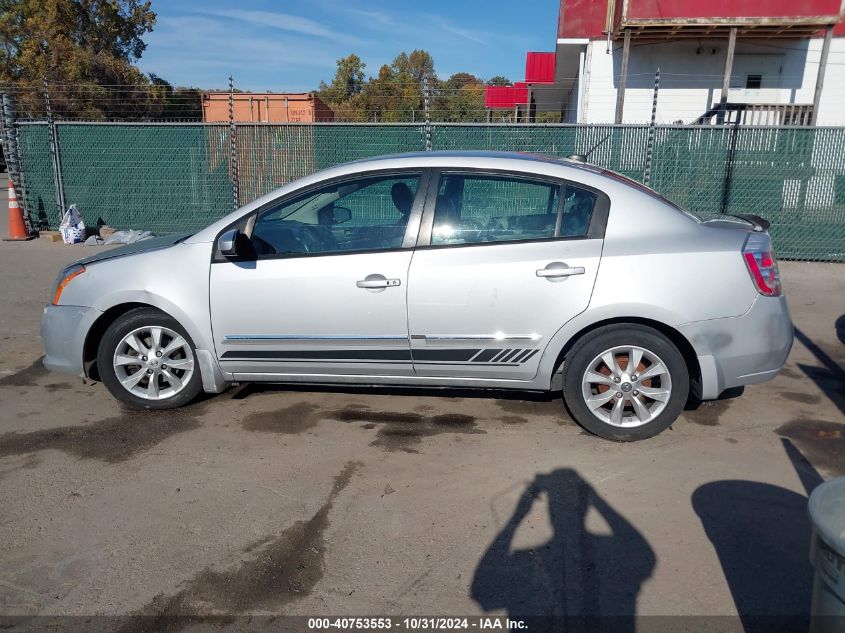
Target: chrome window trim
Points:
(310, 337)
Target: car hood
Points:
(143, 246)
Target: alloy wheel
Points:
(626, 386)
(153, 362)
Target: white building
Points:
(608, 52)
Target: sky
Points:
(291, 45)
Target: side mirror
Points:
(341, 215)
(227, 244)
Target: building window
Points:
(753, 82)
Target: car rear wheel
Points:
(147, 361)
(625, 382)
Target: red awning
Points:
(505, 97)
(540, 68)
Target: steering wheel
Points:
(317, 238)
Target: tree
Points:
(174, 103)
(383, 96)
(394, 94)
(85, 49)
(459, 80)
(498, 80)
(409, 72)
(461, 98)
(342, 93)
(415, 66)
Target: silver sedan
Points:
(447, 269)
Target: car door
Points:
(503, 261)
(322, 289)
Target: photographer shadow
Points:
(761, 534)
(586, 577)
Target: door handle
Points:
(371, 282)
(557, 270)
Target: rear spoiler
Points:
(760, 224)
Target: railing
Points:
(800, 114)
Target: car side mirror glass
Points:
(227, 244)
(341, 215)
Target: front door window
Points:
(367, 214)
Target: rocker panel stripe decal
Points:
(427, 356)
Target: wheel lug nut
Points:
(144, 358)
(636, 393)
(633, 376)
(619, 394)
(164, 366)
(158, 353)
(149, 371)
(615, 379)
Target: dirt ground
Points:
(317, 501)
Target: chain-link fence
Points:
(171, 177)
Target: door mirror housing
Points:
(227, 244)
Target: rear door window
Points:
(477, 209)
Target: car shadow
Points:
(578, 574)
(761, 534)
(693, 402)
(830, 377)
(251, 389)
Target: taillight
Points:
(762, 266)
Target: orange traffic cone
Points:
(17, 226)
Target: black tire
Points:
(606, 338)
(123, 325)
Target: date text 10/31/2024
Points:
(416, 623)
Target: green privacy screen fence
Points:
(174, 177)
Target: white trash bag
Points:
(128, 237)
(72, 227)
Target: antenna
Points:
(582, 158)
(596, 146)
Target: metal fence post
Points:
(11, 148)
(233, 147)
(649, 150)
(58, 181)
(427, 113)
(729, 168)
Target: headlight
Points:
(64, 279)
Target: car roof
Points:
(445, 158)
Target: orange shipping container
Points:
(270, 107)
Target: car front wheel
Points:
(625, 382)
(147, 361)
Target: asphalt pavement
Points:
(318, 501)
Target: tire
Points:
(133, 336)
(587, 375)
